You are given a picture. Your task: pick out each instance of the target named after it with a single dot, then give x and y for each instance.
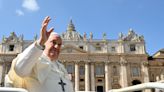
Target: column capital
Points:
(123, 63)
(145, 63)
(76, 62)
(63, 61)
(107, 62)
(92, 63)
(87, 61)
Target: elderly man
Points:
(37, 68)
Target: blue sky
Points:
(145, 17)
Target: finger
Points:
(43, 30)
(44, 27)
(45, 19)
(50, 30)
(48, 20)
(46, 23)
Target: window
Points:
(132, 47)
(82, 70)
(99, 80)
(81, 79)
(69, 69)
(98, 48)
(113, 48)
(81, 47)
(135, 71)
(115, 73)
(99, 69)
(11, 47)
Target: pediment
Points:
(72, 49)
(132, 36)
(12, 38)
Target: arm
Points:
(27, 60)
(29, 56)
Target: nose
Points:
(56, 46)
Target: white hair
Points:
(54, 33)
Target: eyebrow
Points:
(58, 42)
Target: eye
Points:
(59, 44)
(54, 42)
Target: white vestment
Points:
(33, 71)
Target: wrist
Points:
(39, 46)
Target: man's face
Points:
(52, 46)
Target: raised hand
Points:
(44, 34)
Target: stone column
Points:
(121, 47)
(123, 71)
(144, 67)
(92, 77)
(1, 72)
(87, 81)
(110, 75)
(76, 76)
(157, 78)
(162, 77)
(106, 77)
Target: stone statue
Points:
(35, 37)
(85, 36)
(121, 36)
(91, 35)
(4, 39)
(104, 36)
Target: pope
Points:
(37, 68)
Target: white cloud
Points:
(30, 5)
(19, 12)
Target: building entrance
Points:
(99, 88)
(135, 82)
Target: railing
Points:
(86, 91)
(7, 89)
(156, 85)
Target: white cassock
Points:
(33, 71)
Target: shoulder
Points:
(62, 66)
(60, 62)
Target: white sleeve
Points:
(27, 60)
(8, 82)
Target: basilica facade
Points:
(95, 64)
